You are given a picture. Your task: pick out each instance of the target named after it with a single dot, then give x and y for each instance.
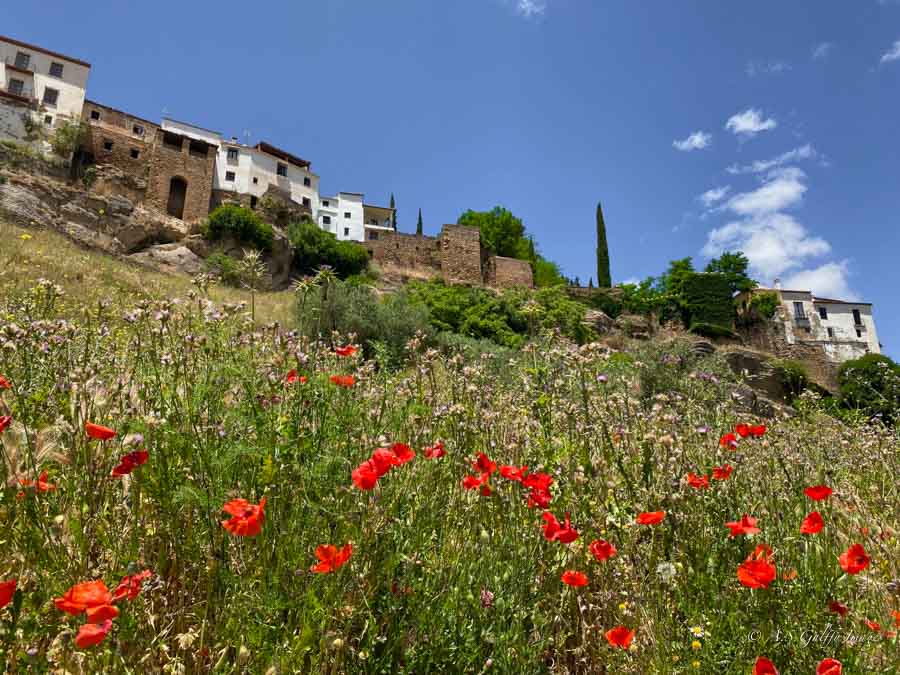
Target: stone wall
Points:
(501, 272)
(12, 124)
(462, 257)
(187, 163)
(410, 251)
(769, 337)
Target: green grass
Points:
(441, 579)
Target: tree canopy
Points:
(734, 266)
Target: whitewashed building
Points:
(38, 85)
(843, 329)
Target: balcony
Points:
(11, 64)
(23, 94)
(801, 321)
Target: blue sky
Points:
(770, 127)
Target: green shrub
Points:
(707, 300)
(314, 247)
(765, 304)
(225, 267)
(67, 137)
(230, 220)
(793, 376)
(871, 384)
(711, 330)
(89, 177)
(606, 302)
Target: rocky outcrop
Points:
(634, 326)
(599, 321)
(758, 373)
(170, 258)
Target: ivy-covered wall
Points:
(708, 301)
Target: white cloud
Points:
(531, 8)
(714, 195)
(893, 54)
(782, 189)
(749, 123)
(828, 281)
(755, 68)
(820, 51)
(761, 165)
(696, 141)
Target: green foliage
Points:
(644, 298)
(89, 177)
(419, 227)
(706, 300)
(225, 267)
(604, 278)
(393, 213)
(67, 136)
(734, 266)
(711, 330)
(314, 247)
(546, 273)
(501, 232)
(382, 326)
(793, 376)
(245, 226)
(765, 304)
(871, 384)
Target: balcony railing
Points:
(11, 61)
(26, 93)
(801, 321)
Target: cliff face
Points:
(108, 217)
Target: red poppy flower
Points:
(538, 481)
(91, 634)
(130, 586)
(5, 421)
(472, 482)
(722, 472)
(349, 350)
(573, 578)
(818, 492)
(836, 607)
(345, 381)
(246, 518)
(41, 485)
(602, 550)
(873, 626)
(83, 596)
(101, 613)
(98, 432)
(130, 462)
(435, 451)
(764, 667)
(758, 431)
(854, 560)
(894, 614)
(619, 637)
(742, 430)
(365, 476)
(829, 667)
(698, 482)
(4, 383)
(728, 441)
(554, 531)
(484, 465)
(512, 473)
(746, 525)
(403, 453)
(383, 459)
(539, 498)
(293, 378)
(812, 524)
(7, 590)
(650, 518)
(331, 558)
(757, 571)
(486, 490)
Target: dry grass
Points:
(89, 277)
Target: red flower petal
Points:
(7, 590)
(602, 550)
(764, 667)
(573, 578)
(619, 637)
(818, 492)
(98, 432)
(650, 517)
(91, 634)
(854, 560)
(829, 667)
(812, 524)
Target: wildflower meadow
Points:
(185, 491)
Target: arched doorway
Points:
(177, 194)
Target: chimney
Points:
(777, 284)
(234, 139)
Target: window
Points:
(229, 176)
(137, 130)
(857, 318)
(199, 149)
(233, 154)
(16, 86)
(831, 333)
(326, 203)
(107, 145)
(326, 220)
(253, 201)
(135, 153)
(255, 180)
(346, 214)
(23, 60)
(858, 333)
(56, 69)
(95, 115)
(306, 202)
(173, 141)
(346, 231)
(373, 235)
(823, 312)
(48, 120)
(50, 96)
(798, 311)
(306, 181)
(282, 169)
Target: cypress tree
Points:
(604, 280)
(393, 213)
(419, 223)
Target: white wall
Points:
(189, 130)
(840, 319)
(253, 163)
(12, 127)
(346, 211)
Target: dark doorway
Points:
(177, 193)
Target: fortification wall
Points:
(769, 337)
(184, 164)
(413, 251)
(461, 255)
(501, 272)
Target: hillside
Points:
(264, 503)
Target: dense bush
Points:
(871, 384)
(793, 376)
(225, 267)
(67, 137)
(711, 330)
(242, 224)
(707, 300)
(314, 247)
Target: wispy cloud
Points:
(696, 141)
(749, 123)
(761, 165)
(771, 67)
(829, 280)
(821, 51)
(893, 54)
(531, 9)
(714, 196)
